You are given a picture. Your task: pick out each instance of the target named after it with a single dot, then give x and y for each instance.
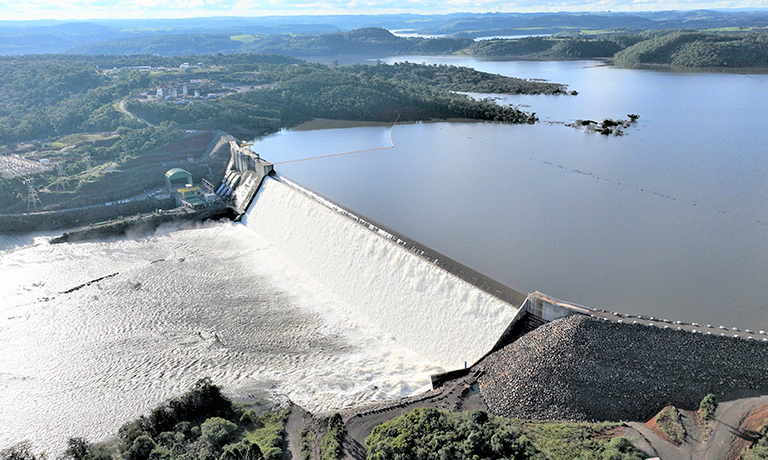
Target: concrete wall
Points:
(549, 309)
(245, 173)
(70, 218)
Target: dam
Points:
(303, 300)
(425, 301)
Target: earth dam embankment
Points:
(582, 368)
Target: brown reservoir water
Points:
(669, 220)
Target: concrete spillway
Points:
(422, 306)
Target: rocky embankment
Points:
(581, 368)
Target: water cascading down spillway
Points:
(423, 307)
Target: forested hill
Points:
(243, 34)
(696, 49)
(55, 95)
(452, 78)
(163, 45)
(371, 41)
(685, 49)
(79, 112)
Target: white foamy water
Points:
(214, 301)
(415, 303)
(300, 302)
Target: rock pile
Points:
(607, 127)
(580, 368)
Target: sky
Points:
(116, 9)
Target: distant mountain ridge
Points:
(48, 36)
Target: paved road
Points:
(664, 323)
(725, 431)
(121, 108)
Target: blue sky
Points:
(115, 9)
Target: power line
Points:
(32, 198)
(61, 181)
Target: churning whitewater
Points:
(421, 306)
(95, 334)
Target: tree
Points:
(141, 448)
(707, 407)
(331, 446)
(245, 450)
(432, 434)
(77, 448)
(20, 451)
(218, 432)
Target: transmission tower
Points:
(33, 199)
(61, 181)
(88, 162)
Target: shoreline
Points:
(142, 224)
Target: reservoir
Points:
(669, 220)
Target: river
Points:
(95, 334)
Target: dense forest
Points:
(433, 434)
(46, 99)
(677, 48)
(49, 96)
(317, 91)
(369, 41)
(682, 48)
(453, 78)
(696, 49)
(579, 47)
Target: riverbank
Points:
(143, 224)
(73, 218)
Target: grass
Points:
(267, 430)
(571, 440)
(243, 38)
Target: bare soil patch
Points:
(752, 424)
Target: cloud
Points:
(87, 9)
